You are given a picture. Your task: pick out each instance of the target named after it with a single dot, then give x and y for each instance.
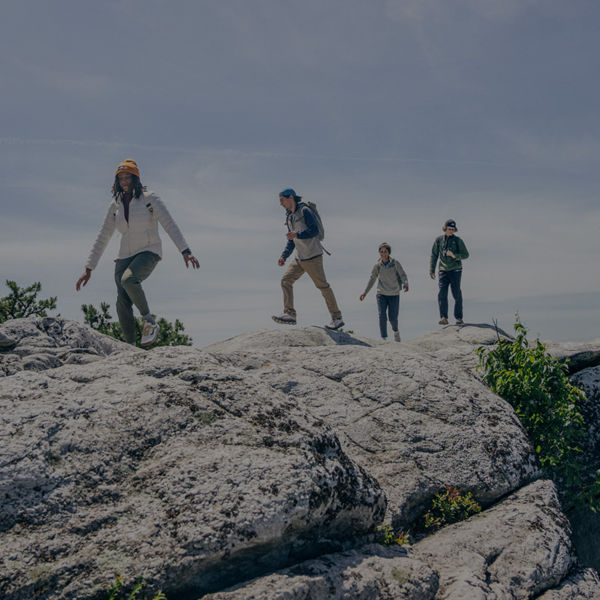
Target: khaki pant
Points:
(314, 268)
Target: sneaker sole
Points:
(150, 342)
(335, 328)
(282, 322)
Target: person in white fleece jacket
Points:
(136, 213)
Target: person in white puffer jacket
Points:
(136, 213)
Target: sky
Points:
(391, 115)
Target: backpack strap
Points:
(149, 205)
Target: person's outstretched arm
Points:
(173, 231)
(372, 280)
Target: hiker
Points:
(305, 236)
(135, 212)
(451, 251)
(390, 277)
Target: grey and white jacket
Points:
(140, 234)
(307, 244)
(391, 278)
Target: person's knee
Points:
(129, 279)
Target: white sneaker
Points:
(284, 319)
(335, 324)
(149, 334)
(396, 336)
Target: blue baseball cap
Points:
(288, 192)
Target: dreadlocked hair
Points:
(117, 190)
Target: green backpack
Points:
(313, 208)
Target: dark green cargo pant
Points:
(129, 274)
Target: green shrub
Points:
(449, 506)
(547, 404)
(170, 334)
(23, 302)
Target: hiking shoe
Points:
(149, 334)
(396, 336)
(284, 319)
(6, 342)
(335, 324)
(459, 321)
(443, 321)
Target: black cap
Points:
(450, 223)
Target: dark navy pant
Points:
(388, 309)
(450, 279)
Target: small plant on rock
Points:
(388, 537)
(449, 506)
(117, 592)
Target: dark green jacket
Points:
(447, 263)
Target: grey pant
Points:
(129, 274)
(314, 268)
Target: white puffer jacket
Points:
(141, 232)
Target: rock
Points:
(167, 465)
(48, 343)
(458, 344)
(582, 585)
(580, 355)
(585, 523)
(415, 422)
(368, 573)
(516, 549)
(197, 469)
(266, 339)
(589, 381)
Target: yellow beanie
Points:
(128, 166)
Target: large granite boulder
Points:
(367, 573)
(414, 420)
(167, 465)
(578, 355)
(280, 449)
(517, 549)
(583, 584)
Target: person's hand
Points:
(405, 287)
(291, 235)
(362, 297)
(432, 275)
(83, 279)
(450, 254)
(281, 261)
(190, 258)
